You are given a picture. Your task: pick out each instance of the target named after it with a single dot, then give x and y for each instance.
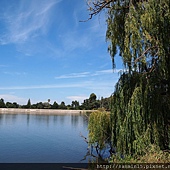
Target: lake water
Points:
(42, 138)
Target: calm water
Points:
(42, 138)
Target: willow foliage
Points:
(140, 31)
(140, 115)
(99, 128)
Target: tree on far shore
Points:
(2, 103)
(28, 104)
(12, 105)
(55, 105)
(62, 105)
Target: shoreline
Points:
(42, 111)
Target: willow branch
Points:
(97, 8)
(144, 53)
(85, 139)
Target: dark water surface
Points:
(42, 138)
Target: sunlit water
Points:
(42, 138)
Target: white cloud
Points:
(78, 98)
(105, 71)
(88, 74)
(83, 35)
(71, 85)
(73, 41)
(94, 84)
(26, 20)
(108, 71)
(13, 98)
(15, 73)
(73, 75)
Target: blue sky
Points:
(46, 53)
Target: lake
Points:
(29, 138)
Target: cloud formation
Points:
(41, 87)
(15, 73)
(13, 98)
(73, 75)
(78, 98)
(26, 20)
(80, 84)
(87, 74)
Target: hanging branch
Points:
(85, 139)
(151, 69)
(97, 7)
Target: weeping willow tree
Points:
(139, 30)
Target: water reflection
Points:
(1, 118)
(74, 120)
(62, 119)
(42, 119)
(77, 120)
(28, 119)
(8, 118)
(55, 119)
(85, 120)
(42, 138)
(11, 117)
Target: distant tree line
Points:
(88, 104)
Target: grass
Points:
(152, 154)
